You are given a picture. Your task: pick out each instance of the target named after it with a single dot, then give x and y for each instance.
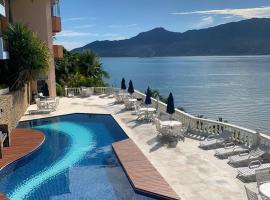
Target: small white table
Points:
(148, 113)
(171, 123)
(132, 100)
(265, 189)
(145, 109)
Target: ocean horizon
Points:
(235, 88)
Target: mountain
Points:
(246, 37)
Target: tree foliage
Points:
(29, 56)
(80, 69)
(156, 94)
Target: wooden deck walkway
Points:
(23, 142)
(143, 176)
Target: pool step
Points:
(141, 173)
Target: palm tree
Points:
(90, 65)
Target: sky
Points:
(85, 21)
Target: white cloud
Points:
(122, 26)
(241, 12)
(205, 22)
(85, 26)
(74, 19)
(71, 19)
(70, 45)
(68, 33)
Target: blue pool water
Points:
(75, 162)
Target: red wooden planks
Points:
(143, 176)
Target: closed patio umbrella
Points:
(130, 88)
(148, 97)
(123, 84)
(170, 105)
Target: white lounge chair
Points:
(262, 176)
(251, 195)
(248, 172)
(39, 111)
(230, 149)
(248, 156)
(216, 140)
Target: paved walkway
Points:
(193, 173)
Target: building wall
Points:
(36, 14)
(13, 106)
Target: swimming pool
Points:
(76, 161)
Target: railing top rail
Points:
(205, 120)
(210, 121)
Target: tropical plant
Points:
(90, 66)
(29, 56)
(80, 69)
(60, 91)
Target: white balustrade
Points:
(197, 125)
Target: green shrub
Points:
(3, 86)
(80, 70)
(60, 91)
(29, 56)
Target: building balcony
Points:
(3, 49)
(56, 24)
(2, 8)
(58, 51)
(4, 23)
(56, 19)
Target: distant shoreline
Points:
(263, 55)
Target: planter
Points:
(4, 91)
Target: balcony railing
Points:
(58, 51)
(198, 126)
(3, 49)
(56, 19)
(2, 8)
(56, 24)
(4, 24)
(56, 8)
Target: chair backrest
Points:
(158, 126)
(262, 176)
(251, 195)
(225, 134)
(177, 131)
(263, 148)
(260, 150)
(137, 107)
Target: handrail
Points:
(55, 8)
(2, 2)
(198, 125)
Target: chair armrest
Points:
(244, 153)
(211, 137)
(254, 164)
(229, 145)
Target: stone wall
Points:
(13, 106)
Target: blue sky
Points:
(84, 21)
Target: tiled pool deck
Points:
(193, 173)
